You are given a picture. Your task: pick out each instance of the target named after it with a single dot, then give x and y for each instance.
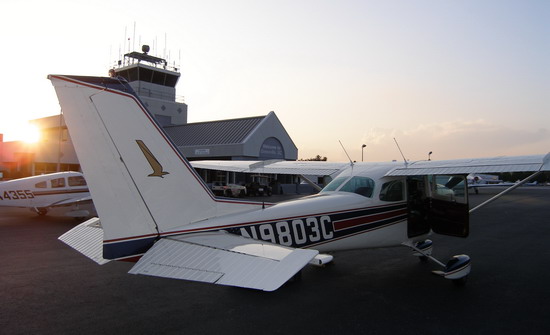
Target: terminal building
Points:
(251, 138)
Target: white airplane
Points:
(43, 192)
(155, 209)
(476, 182)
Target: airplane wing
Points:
(479, 165)
(224, 259)
(317, 168)
(458, 166)
(70, 201)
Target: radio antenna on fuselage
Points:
(404, 159)
(350, 161)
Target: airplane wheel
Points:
(42, 211)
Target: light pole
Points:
(362, 147)
(429, 154)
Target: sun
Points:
(19, 130)
(29, 133)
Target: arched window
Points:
(272, 149)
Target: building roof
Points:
(231, 131)
(49, 122)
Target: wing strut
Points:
(307, 180)
(509, 189)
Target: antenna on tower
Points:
(124, 40)
(164, 51)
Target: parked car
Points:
(257, 189)
(228, 190)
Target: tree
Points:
(316, 158)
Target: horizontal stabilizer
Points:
(87, 238)
(223, 259)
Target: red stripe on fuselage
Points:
(358, 221)
(56, 192)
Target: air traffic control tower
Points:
(155, 84)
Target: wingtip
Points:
(546, 163)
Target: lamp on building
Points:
(362, 147)
(429, 155)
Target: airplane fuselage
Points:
(346, 221)
(343, 219)
(43, 191)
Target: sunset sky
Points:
(458, 78)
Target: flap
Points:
(223, 259)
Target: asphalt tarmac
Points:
(47, 288)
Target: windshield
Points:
(360, 185)
(333, 185)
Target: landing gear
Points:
(457, 268)
(426, 250)
(41, 211)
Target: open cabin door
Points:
(449, 205)
(439, 203)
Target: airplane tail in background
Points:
(140, 183)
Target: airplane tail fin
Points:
(140, 183)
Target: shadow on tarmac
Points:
(48, 288)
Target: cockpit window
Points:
(360, 185)
(58, 182)
(333, 185)
(41, 184)
(77, 181)
(392, 191)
